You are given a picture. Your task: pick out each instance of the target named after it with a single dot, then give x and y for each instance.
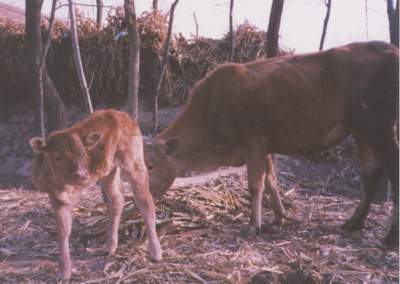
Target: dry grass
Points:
(205, 240)
(105, 57)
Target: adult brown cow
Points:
(298, 104)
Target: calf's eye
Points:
(150, 167)
(58, 158)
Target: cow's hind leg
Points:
(372, 175)
(380, 134)
(272, 186)
(389, 155)
(112, 188)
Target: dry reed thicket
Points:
(105, 54)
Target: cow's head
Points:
(66, 155)
(162, 164)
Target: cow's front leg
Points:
(256, 175)
(63, 218)
(112, 187)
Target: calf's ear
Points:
(38, 144)
(172, 146)
(92, 139)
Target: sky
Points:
(301, 24)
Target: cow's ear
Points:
(172, 146)
(92, 139)
(38, 144)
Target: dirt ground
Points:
(202, 223)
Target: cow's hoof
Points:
(155, 252)
(392, 239)
(103, 170)
(293, 219)
(249, 231)
(156, 258)
(111, 247)
(65, 276)
(278, 221)
(352, 226)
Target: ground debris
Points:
(203, 232)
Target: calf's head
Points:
(67, 155)
(162, 164)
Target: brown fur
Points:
(298, 104)
(97, 148)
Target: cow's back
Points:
(290, 101)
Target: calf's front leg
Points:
(112, 187)
(62, 213)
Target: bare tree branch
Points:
(78, 60)
(393, 17)
(366, 19)
(196, 23)
(99, 12)
(231, 35)
(326, 21)
(155, 5)
(163, 65)
(48, 39)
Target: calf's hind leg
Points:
(372, 175)
(135, 170)
(138, 178)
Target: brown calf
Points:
(99, 148)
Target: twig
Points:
(163, 65)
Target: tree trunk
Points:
(326, 21)
(46, 96)
(231, 35)
(34, 49)
(163, 65)
(78, 59)
(134, 59)
(272, 46)
(99, 14)
(393, 16)
(155, 5)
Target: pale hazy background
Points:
(301, 23)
